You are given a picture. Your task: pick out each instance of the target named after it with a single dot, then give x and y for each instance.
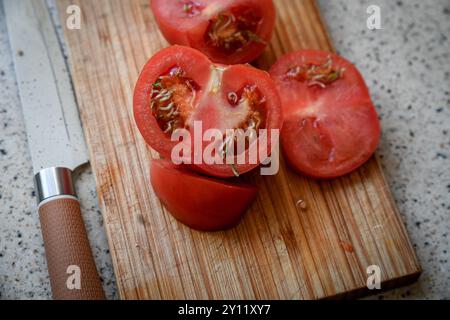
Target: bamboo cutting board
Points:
(320, 249)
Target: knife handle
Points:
(71, 266)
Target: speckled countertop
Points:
(407, 67)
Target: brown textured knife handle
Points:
(73, 275)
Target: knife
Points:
(57, 147)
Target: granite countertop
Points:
(407, 67)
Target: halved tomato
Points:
(179, 87)
(227, 31)
(200, 202)
(330, 124)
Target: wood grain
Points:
(279, 250)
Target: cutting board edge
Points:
(395, 283)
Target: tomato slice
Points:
(200, 202)
(330, 124)
(227, 31)
(179, 87)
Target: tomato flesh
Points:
(228, 32)
(330, 124)
(179, 86)
(200, 202)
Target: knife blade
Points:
(52, 122)
(56, 144)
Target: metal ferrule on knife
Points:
(54, 182)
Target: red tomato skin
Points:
(349, 136)
(202, 203)
(179, 28)
(200, 65)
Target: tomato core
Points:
(232, 30)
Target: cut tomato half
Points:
(330, 124)
(228, 32)
(180, 88)
(200, 202)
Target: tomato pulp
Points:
(180, 87)
(200, 202)
(330, 124)
(227, 31)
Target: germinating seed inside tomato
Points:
(232, 30)
(252, 97)
(257, 104)
(172, 99)
(316, 74)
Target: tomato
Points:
(200, 202)
(227, 31)
(180, 87)
(330, 124)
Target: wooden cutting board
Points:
(279, 250)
